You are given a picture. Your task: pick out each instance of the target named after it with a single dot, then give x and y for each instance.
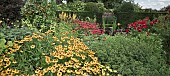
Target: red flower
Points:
(139, 30)
(146, 19)
(127, 30)
(145, 26)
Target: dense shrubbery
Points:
(132, 56)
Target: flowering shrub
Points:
(88, 28)
(142, 24)
(45, 54)
(163, 29)
(65, 17)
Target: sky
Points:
(154, 4)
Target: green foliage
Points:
(163, 30)
(132, 56)
(76, 6)
(2, 42)
(39, 15)
(15, 33)
(126, 7)
(94, 7)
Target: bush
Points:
(163, 29)
(15, 33)
(40, 15)
(132, 56)
(76, 6)
(126, 7)
(10, 10)
(94, 7)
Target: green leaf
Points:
(2, 41)
(10, 43)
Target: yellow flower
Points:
(71, 62)
(55, 65)
(110, 70)
(6, 59)
(15, 71)
(45, 70)
(37, 71)
(53, 70)
(66, 63)
(32, 46)
(55, 61)
(119, 75)
(74, 59)
(85, 74)
(115, 71)
(69, 71)
(91, 52)
(78, 71)
(12, 50)
(61, 57)
(47, 59)
(1, 60)
(0, 70)
(7, 72)
(76, 66)
(103, 73)
(14, 62)
(74, 16)
(59, 74)
(63, 69)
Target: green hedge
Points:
(126, 18)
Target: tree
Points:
(10, 10)
(167, 8)
(126, 7)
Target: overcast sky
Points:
(154, 4)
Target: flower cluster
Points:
(143, 24)
(65, 55)
(155, 21)
(63, 16)
(90, 27)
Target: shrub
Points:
(132, 56)
(10, 10)
(163, 29)
(94, 7)
(50, 54)
(76, 6)
(39, 15)
(15, 33)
